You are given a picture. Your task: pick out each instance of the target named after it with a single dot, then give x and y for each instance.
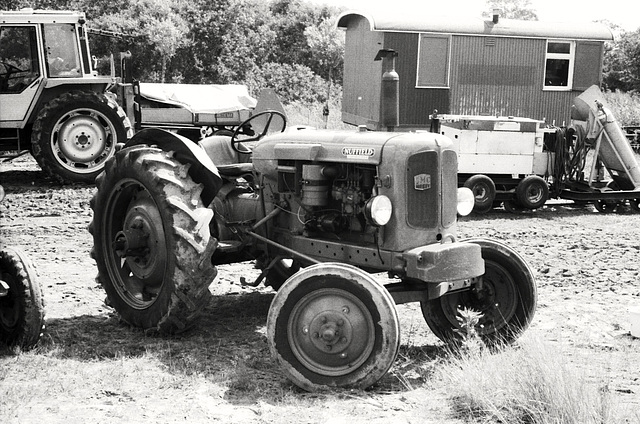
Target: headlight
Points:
(378, 210)
(466, 201)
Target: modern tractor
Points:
(321, 213)
(52, 103)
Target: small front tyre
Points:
(506, 299)
(333, 325)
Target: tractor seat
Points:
(218, 148)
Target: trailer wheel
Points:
(506, 299)
(635, 204)
(484, 191)
(152, 242)
(22, 308)
(334, 325)
(605, 206)
(75, 134)
(532, 192)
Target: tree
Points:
(621, 69)
(155, 28)
(512, 9)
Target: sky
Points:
(625, 13)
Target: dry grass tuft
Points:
(532, 383)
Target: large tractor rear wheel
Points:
(332, 324)
(75, 134)
(21, 302)
(151, 238)
(506, 299)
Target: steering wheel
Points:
(246, 128)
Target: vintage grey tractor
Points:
(321, 213)
(21, 298)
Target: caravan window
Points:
(558, 71)
(433, 61)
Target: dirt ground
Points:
(587, 265)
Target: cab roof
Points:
(417, 21)
(31, 16)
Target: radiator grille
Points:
(423, 186)
(449, 188)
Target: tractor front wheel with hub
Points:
(21, 300)
(506, 299)
(151, 238)
(333, 325)
(75, 133)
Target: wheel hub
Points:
(140, 242)
(331, 332)
(82, 138)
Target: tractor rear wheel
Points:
(506, 299)
(75, 133)
(152, 242)
(332, 324)
(22, 307)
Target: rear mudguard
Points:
(202, 169)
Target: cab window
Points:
(18, 58)
(61, 47)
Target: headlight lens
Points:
(378, 210)
(466, 201)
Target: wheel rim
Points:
(135, 244)
(534, 194)
(331, 332)
(605, 206)
(82, 140)
(497, 300)
(481, 193)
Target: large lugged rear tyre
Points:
(75, 134)
(333, 325)
(151, 238)
(22, 309)
(507, 299)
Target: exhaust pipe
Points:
(390, 97)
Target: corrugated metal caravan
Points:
(468, 66)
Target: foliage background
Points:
(291, 46)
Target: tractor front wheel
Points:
(332, 324)
(151, 238)
(506, 299)
(75, 134)
(21, 300)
